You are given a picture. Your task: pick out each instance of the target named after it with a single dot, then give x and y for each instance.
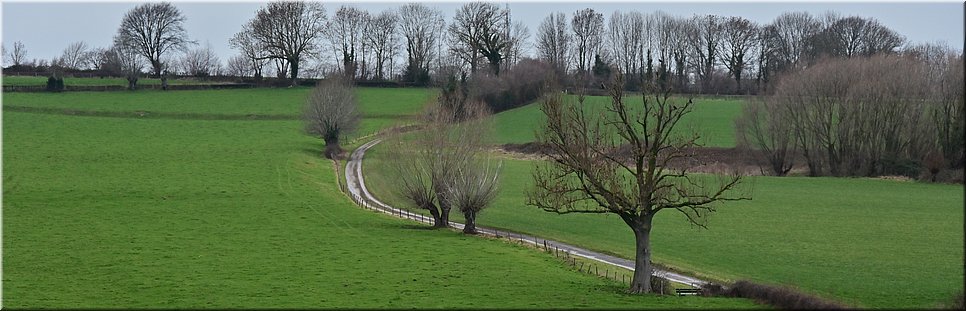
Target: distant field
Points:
(712, 118)
(380, 107)
(72, 81)
(160, 213)
(866, 242)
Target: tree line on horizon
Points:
(413, 43)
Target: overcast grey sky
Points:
(47, 28)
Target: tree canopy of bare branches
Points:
(345, 32)
(588, 28)
(18, 54)
(553, 41)
(250, 49)
(287, 30)
(739, 37)
(421, 26)
(200, 62)
(382, 37)
(586, 172)
(480, 31)
(153, 29)
(75, 56)
(445, 165)
(331, 112)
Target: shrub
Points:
(518, 86)
(55, 84)
(780, 297)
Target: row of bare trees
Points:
(881, 115)
(704, 51)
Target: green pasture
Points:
(713, 119)
(865, 242)
(173, 213)
(380, 107)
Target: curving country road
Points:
(356, 187)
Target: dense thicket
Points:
(864, 116)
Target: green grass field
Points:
(160, 213)
(865, 242)
(713, 119)
(380, 107)
(72, 81)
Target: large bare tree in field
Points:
(588, 173)
(153, 29)
(436, 167)
(331, 112)
(287, 30)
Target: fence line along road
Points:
(356, 188)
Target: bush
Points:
(55, 84)
(780, 297)
(523, 83)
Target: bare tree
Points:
(588, 27)
(128, 62)
(286, 30)
(587, 174)
(153, 29)
(73, 57)
(239, 66)
(17, 55)
(250, 48)
(626, 39)
(553, 41)
(345, 32)
(331, 113)
(704, 37)
(788, 37)
(519, 36)
(437, 168)
(763, 129)
(480, 31)
(200, 62)
(382, 37)
(739, 38)
(421, 25)
(474, 187)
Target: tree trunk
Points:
(132, 83)
(470, 227)
(156, 65)
(332, 148)
(437, 219)
(641, 283)
(294, 63)
(444, 213)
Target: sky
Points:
(46, 28)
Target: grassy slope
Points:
(380, 107)
(874, 243)
(109, 212)
(713, 118)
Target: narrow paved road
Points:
(357, 190)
